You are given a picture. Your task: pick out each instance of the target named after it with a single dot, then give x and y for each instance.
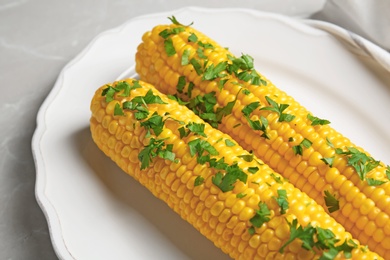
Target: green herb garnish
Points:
(156, 147)
(226, 181)
(261, 216)
(278, 108)
(361, 162)
(317, 121)
(331, 202)
(282, 201)
(298, 149)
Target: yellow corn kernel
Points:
(223, 217)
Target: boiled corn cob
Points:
(225, 192)
(228, 92)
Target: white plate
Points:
(95, 211)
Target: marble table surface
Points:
(37, 39)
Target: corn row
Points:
(152, 139)
(182, 61)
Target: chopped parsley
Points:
(262, 215)
(199, 180)
(305, 234)
(196, 128)
(253, 170)
(175, 21)
(278, 108)
(181, 83)
(118, 111)
(202, 149)
(241, 195)
(226, 181)
(361, 162)
(248, 109)
(328, 161)
(192, 37)
(331, 202)
(168, 32)
(278, 179)
(247, 157)
(205, 45)
(229, 143)
(329, 143)
(388, 171)
(169, 48)
(374, 182)
(298, 149)
(139, 104)
(196, 64)
(316, 237)
(155, 148)
(109, 93)
(155, 122)
(282, 201)
(212, 72)
(185, 57)
(317, 121)
(243, 68)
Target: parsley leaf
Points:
(253, 170)
(226, 182)
(361, 162)
(212, 72)
(241, 195)
(278, 108)
(248, 109)
(328, 161)
(317, 121)
(181, 83)
(185, 57)
(155, 122)
(331, 202)
(109, 93)
(306, 235)
(150, 98)
(118, 111)
(374, 182)
(243, 68)
(246, 157)
(347, 248)
(168, 32)
(199, 146)
(197, 128)
(229, 143)
(199, 180)
(261, 125)
(218, 164)
(221, 112)
(200, 53)
(329, 143)
(262, 215)
(298, 149)
(205, 45)
(388, 171)
(196, 64)
(278, 179)
(192, 37)
(175, 21)
(169, 48)
(282, 201)
(156, 147)
(177, 99)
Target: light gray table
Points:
(37, 39)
